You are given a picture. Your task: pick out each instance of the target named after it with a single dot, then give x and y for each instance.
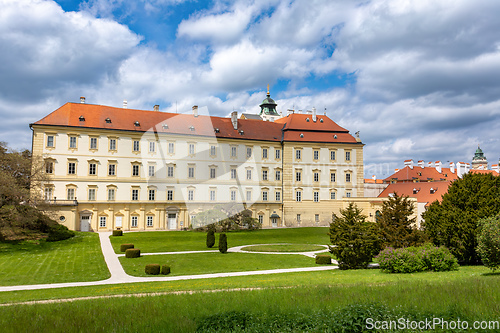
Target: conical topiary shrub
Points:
(223, 243)
(210, 238)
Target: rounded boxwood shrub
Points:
(117, 232)
(222, 243)
(124, 247)
(152, 269)
(132, 253)
(165, 269)
(323, 259)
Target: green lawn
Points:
(39, 262)
(169, 241)
(284, 248)
(206, 263)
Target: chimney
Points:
(494, 167)
(396, 170)
(234, 119)
(462, 168)
(452, 167)
(421, 164)
(156, 108)
(82, 100)
(124, 103)
(430, 164)
(409, 163)
(467, 167)
(314, 114)
(195, 110)
(438, 166)
(374, 177)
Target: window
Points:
(298, 196)
(316, 155)
(332, 195)
(149, 221)
(316, 217)
(92, 169)
(316, 176)
(191, 149)
(261, 219)
(49, 167)
(249, 174)
(233, 195)
(264, 195)
(48, 193)
(152, 146)
(91, 194)
(249, 195)
(135, 170)
(134, 221)
(50, 141)
(212, 150)
(233, 151)
(264, 174)
(72, 141)
(278, 175)
(102, 221)
(249, 152)
(316, 196)
(347, 155)
(112, 170)
(135, 195)
(348, 194)
(170, 195)
(212, 173)
(111, 194)
(93, 143)
(278, 196)
(136, 145)
(298, 154)
(70, 194)
(71, 168)
(170, 171)
(264, 153)
(298, 176)
(347, 177)
(298, 218)
(233, 173)
(278, 153)
(171, 147)
(151, 194)
(151, 170)
(212, 195)
(332, 155)
(190, 195)
(333, 177)
(191, 172)
(112, 144)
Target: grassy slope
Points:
(75, 259)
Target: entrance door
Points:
(172, 221)
(274, 222)
(118, 221)
(85, 223)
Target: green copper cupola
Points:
(268, 106)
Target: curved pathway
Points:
(118, 275)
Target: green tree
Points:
(222, 243)
(210, 238)
(453, 222)
(396, 226)
(355, 241)
(488, 241)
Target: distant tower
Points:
(268, 108)
(479, 161)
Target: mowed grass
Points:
(39, 262)
(171, 241)
(207, 263)
(468, 294)
(283, 248)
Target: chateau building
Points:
(115, 167)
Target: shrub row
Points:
(417, 259)
(117, 232)
(132, 253)
(323, 259)
(124, 247)
(154, 269)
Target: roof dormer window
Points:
(307, 119)
(433, 190)
(82, 118)
(191, 128)
(321, 120)
(216, 130)
(335, 136)
(241, 132)
(165, 126)
(108, 121)
(301, 135)
(137, 124)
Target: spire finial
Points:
(268, 94)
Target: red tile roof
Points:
(408, 174)
(423, 190)
(493, 172)
(373, 181)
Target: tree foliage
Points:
(222, 243)
(210, 238)
(355, 241)
(396, 227)
(453, 222)
(488, 241)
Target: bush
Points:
(165, 269)
(152, 269)
(210, 238)
(222, 243)
(124, 247)
(417, 259)
(59, 232)
(117, 232)
(132, 253)
(488, 240)
(323, 259)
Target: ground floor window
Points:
(149, 221)
(316, 217)
(102, 222)
(134, 221)
(261, 219)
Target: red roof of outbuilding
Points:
(423, 190)
(408, 174)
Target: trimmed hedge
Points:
(222, 243)
(59, 232)
(132, 253)
(323, 259)
(152, 269)
(124, 247)
(117, 232)
(165, 269)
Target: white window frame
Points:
(316, 196)
(134, 221)
(149, 221)
(91, 194)
(136, 146)
(135, 194)
(102, 221)
(151, 194)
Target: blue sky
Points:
(417, 78)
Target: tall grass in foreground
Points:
(476, 298)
